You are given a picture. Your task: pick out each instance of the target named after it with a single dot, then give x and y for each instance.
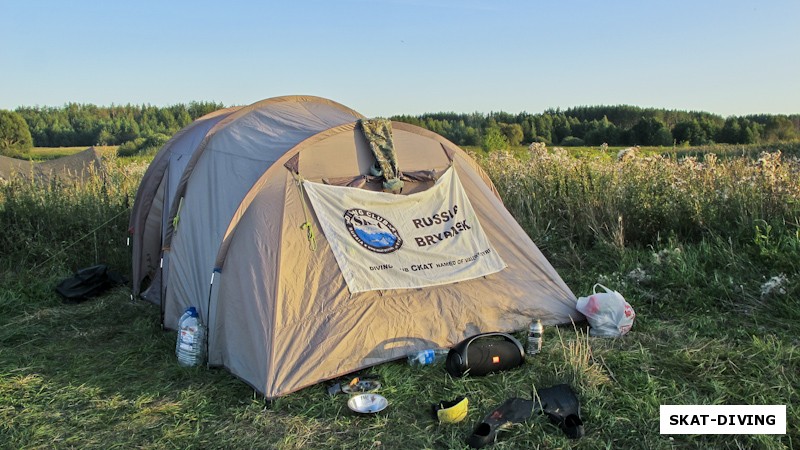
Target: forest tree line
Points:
(613, 125)
(74, 125)
(135, 127)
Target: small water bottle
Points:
(190, 346)
(535, 331)
(428, 357)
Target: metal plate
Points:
(367, 403)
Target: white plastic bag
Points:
(608, 313)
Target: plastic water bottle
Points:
(428, 357)
(190, 347)
(535, 332)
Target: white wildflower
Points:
(638, 275)
(627, 153)
(615, 279)
(538, 149)
(560, 152)
(666, 256)
(775, 285)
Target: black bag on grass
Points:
(88, 282)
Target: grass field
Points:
(707, 250)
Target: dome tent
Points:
(224, 231)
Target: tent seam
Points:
(276, 290)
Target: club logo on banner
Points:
(372, 231)
(387, 241)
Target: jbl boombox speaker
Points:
(485, 353)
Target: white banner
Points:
(388, 241)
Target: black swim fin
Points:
(562, 407)
(513, 410)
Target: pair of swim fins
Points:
(559, 403)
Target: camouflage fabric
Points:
(379, 135)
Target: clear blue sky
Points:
(406, 56)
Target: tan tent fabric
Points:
(151, 198)
(279, 313)
(11, 167)
(67, 168)
(73, 167)
(223, 169)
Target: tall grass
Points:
(791, 149)
(68, 223)
(644, 201)
(705, 249)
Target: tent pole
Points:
(208, 314)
